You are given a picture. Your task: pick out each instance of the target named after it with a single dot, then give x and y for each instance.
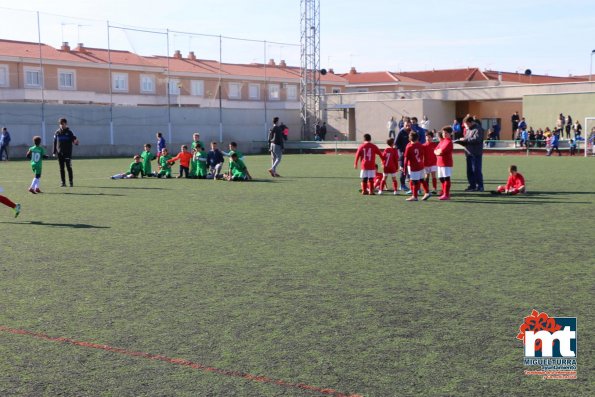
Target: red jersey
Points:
(429, 156)
(390, 160)
(367, 153)
(444, 159)
(378, 181)
(414, 156)
(184, 158)
(515, 181)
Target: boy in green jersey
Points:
(135, 169)
(36, 154)
(147, 157)
(238, 170)
(199, 163)
(164, 165)
(233, 148)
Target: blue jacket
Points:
(555, 139)
(4, 139)
(421, 133)
(214, 157)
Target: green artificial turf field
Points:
(299, 279)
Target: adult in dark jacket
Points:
(277, 142)
(63, 141)
(473, 144)
(401, 143)
(4, 142)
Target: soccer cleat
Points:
(364, 193)
(271, 172)
(443, 197)
(62, 184)
(411, 199)
(38, 191)
(409, 191)
(17, 210)
(396, 192)
(379, 192)
(434, 192)
(480, 189)
(32, 190)
(425, 197)
(470, 189)
(277, 175)
(71, 184)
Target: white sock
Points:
(36, 181)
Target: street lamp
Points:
(591, 68)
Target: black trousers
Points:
(65, 162)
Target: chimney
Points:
(271, 62)
(331, 71)
(177, 54)
(352, 70)
(65, 46)
(80, 47)
(191, 56)
(282, 63)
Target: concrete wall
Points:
(372, 116)
(134, 126)
(543, 110)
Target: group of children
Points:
(421, 162)
(196, 163)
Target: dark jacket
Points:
(63, 140)
(473, 140)
(402, 140)
(276, 135)
(214, 157)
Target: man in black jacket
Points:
(277, 141)
(401, 144)
(63, 141)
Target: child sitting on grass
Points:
(164, 165)
(237, 169)
(136, 168)
(515, 183)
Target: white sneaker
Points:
(379, 192)
(396, 192)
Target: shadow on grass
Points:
(87, 194)
(65, 225)
(124, 187)
(516, 200)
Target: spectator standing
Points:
(515, 123)
(496, 129)
(568, 126)
(64, 138)
(4, 142)
(425, 123)
(277, 142)
(421, 133)
(392, 128)
(473, 144)
(401, 143)
(456, 129)
(577, 128)
(323, 131)
(560, 123)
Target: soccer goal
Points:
(589, 135)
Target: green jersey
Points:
(240, 154)
(147, 158)
(136, 168)
(238, 169)
(165, 166)
(37, 155)
(199, 164)
(197, 143)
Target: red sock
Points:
(434, 182)
(415, 188)
(6, 201)
(395, 186)
(363, 187)
(371, 184)
(424, 184)
(447, 185)
(443, 187)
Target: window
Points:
(235, 91)
(3, 75)
(197, 87)
(32, 77)
(291, 92)
(254, 91)
(321, 90)
(147, 83)
(336, 90)
(274, 92)
(66, 79)
(120, 82)
(174, 86)
(361, 90)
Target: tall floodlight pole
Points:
(310, 65)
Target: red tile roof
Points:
(447, 75)
(533, 79)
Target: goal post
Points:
(589, 136)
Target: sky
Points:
(547, 36)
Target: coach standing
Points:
(63, 140)
(473, 144)
(276, 141)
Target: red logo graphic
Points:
(538, 322)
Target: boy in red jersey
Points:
(379, 184)
(414, 163)
(444, 162)
(390, 163)
(367, 152)
(515, 183)
(430, 160)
